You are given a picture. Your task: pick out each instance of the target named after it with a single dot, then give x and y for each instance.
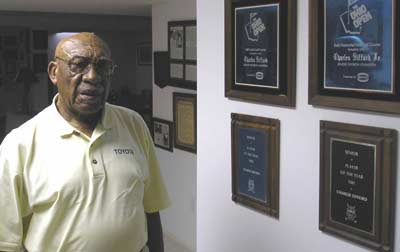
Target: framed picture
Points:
(185, 118)
(353, 57)
(182, 54)
(357, 183)
(144, 54)
(162, 133)
(255, 162)
(260, 51)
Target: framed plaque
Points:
(182, 53)
(185, 133)
(162, 133)
(260, 51)
(353, 57)
(357, 183)
(255, 163)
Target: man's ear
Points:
(52, 69)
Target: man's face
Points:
(82, 77)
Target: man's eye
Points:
(78, 64)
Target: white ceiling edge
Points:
(109, 7)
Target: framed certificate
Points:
(182, 54)
(353, 56)
(162, 133)
(255, 163)
(260, 51)
(357, 183)
(184, 109)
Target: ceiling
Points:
(117, 7)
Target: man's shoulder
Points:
(118, 113)
(26, 130)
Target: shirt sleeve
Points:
(155, 195)
(13, 200)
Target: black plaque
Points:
(161, 69)
(256, 45)
(358, 42)
(260, 51)
(255, 163)
(354, 53)
(353, 184)
(357, 183)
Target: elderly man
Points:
(82, 175)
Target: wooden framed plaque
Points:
(185, 119)
(353, 54)
(260, 51)
(255, 163)
(357, 183)
(162, 133)
(182, 53)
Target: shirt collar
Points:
(64, 129)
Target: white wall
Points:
(221, 224)
(178, 168)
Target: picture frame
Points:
(185, 120)
(163, 133)
(182, 54)
(255, 146)
(144, 54)
(353, 63)
(260, 51)
(357, 183)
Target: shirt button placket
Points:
(96, 166)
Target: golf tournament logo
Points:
(255, 27)
(355, 17)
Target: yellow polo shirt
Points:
(84, 194)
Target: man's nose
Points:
(92, 75)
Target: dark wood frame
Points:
(170, 133)
(287, 64)
(191, 98)
(272, 128)
(176, 82)
(385, 142)
(139, 54)
(346, 99)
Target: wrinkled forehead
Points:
(86, 46)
